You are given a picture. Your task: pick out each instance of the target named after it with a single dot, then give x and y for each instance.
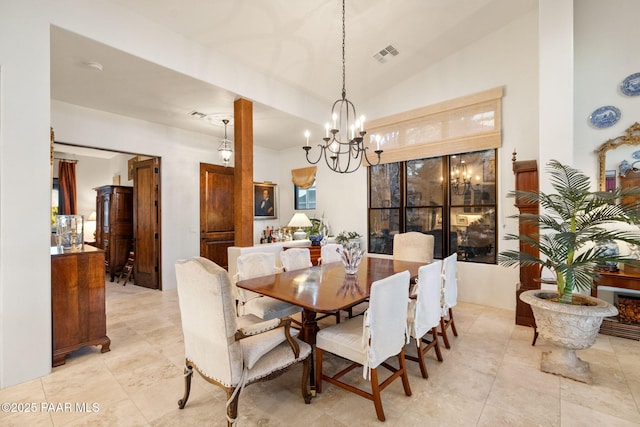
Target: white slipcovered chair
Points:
(331, 252)
(424, 313)
(370, 340)
(295, 259)
(413, 246)
(449, 297)
(225, 350)
(257, 264)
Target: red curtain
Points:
(67, 188)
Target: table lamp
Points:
(298, 221)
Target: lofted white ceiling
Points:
(296, 43)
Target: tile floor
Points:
(489, 377)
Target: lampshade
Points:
(299, 220)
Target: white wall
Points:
(25, 262)
(605, 55)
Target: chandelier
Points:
(225, 149)
(343, 148)
(460, 178)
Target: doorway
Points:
(98, 167)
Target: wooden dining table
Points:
(326, 288)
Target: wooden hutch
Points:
(114, 225)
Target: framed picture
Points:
(265, 198)
(462, 220)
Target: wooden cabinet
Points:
(77, 301)
(114, 225)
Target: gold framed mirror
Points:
(630, 138)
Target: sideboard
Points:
(77, 301)
(620, 280)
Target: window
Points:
(456, 207)
(304, 198)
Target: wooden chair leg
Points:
(232, 406)
(375, 391)
(188, 373)
(421, 362)
(318, 370)
(443, 333)
(436, 344)
(405, 376)
(453, 323)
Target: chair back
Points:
(250, 265)
(256, 264)
(385, 322)
(295, 259)
(331, 252)
(413, 246)
(424, 312)
(450, 281)
(208, 313)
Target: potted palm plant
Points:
(576, 228)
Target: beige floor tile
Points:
(618, 402)
(574, 415)
(493, 416)
(490, 377)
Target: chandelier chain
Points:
(344, 67)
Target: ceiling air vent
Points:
(383, 55)
(197, 114)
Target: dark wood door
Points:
(216, 212)
(146, 223)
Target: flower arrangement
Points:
(344, 236)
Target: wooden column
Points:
(526, 173)
(243, 180)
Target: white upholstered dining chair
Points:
(424, 313)
(295, 259)
(370, 340)
(413, 246)
(225, 350)
(257, 264)
(449, 297)
(331, 252)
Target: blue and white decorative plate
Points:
(605, 116)
(631, 85)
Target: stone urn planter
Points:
(569, 327)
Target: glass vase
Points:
(351, 257)
(70, 231)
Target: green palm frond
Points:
(573, 225)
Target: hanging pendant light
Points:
(343, 147)
(225, 148)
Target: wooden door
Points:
(146, 223)
(216, 212)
